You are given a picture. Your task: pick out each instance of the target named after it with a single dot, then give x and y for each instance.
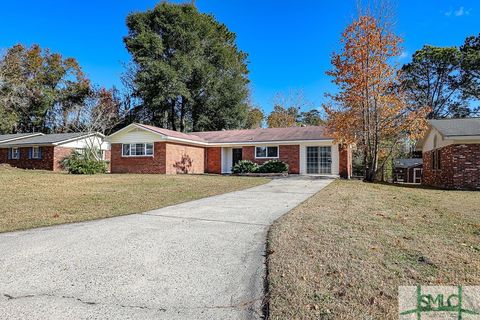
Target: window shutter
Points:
(39, 152)
(439, 159)
(30, 151)
(9, 153)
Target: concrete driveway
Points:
(198, 260)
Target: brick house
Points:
(451, 154)
(140, 148)
(45, 151)
(407, 170)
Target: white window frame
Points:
(266, 153)
(37, 156)
(15, 153)
(144, 148)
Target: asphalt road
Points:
(198, 260)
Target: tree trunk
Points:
(182, 115)
(172, 116)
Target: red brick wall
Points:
(466, 162)
(184, 159)
(60, 153)
(442, 178)
(46, 163)
(213, 160)
(460, 167)
(287, 153)
(108, 158)
(345, 161)
(147, 164)
(3, 155)
(248, 153)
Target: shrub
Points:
(245, 166)
(78, 163)
(273, 166)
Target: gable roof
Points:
(16, 136)
(457, 127)
(407, 163)
(265, 135)
(48, 139)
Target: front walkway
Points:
(198, 260)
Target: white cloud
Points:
(404, 55)
(458, 12)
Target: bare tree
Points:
(101, 113)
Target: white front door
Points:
(226, 160)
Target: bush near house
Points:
(245, 166)
(270, 166)
(273, 166)
(80, 163)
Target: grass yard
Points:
(40, 198)
(344, 252)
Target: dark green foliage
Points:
(431, 79)
(273, 166)
(79, 163)
(270, 166)
(446, 79)
(39, 89)
(311, 118)
(188, 72)
(245, 166)
(471, 67)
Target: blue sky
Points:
(289, 42)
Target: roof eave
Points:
(297, 141)
(22, 137)
(463, 137)
(57, 143)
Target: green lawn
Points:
(343, 253)
(40, 198)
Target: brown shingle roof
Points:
(265, 135)
(247, 136)
(47, 139)
(457, 127)
(17, 136)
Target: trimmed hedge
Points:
(270, 166)
(273, 166)
(77, 163)
(245, 166)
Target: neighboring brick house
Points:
(407, 170)
(46, 151)
(140, 148)
(451, 154)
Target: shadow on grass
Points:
(414, 186)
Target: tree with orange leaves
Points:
(369, 109)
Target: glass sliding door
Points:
(319, 160)
(312, 160)
(325, 165)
